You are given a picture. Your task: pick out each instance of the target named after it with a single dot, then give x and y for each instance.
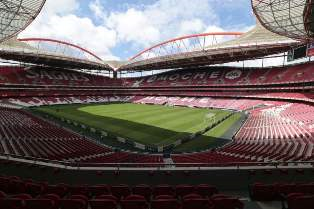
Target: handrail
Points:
(155, 166)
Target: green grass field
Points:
(211, 138)
(146, 124)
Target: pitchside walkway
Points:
(234, 128)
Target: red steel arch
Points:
(62, 43)
(199, 36)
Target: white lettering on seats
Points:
(234, 74)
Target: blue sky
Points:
(118, 29)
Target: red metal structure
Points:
(60, 43)
(184, 44)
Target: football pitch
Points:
(147, 124)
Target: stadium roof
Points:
(256, 43)
(188, 51)
(16, 15)
(288, 18)
(51, 52)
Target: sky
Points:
(119, 29)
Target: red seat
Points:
(134, 204)
(305, 188)
(227, 203)
(165, 204)
(103, 204)
(34, 189)
(59, 190)
(163, 190)
(206, 190)
(79, 196)
(39, 204)
(2, 195)
(182, 190)
(263, 192)
(79, 190)
(4, 184)
(98, 190)
(197, 204)
(107, 197)
(11, 203)
(285, 189)
(72, 204)
(135, 197)
(55, 198)
(301, 202)
(291, 200)
(120, 191)
(22, 196)
(143, 190)
(16, 187)
(192, 196)
(164, 197)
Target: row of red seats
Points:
(25, 135)
(42, 76)
(300, 201)
(209, 77)
(26, 194)
(53, 201)
(278, 191)
(205, 102)
(212, 158)
(226, 76)
(124, 157)
(15, 185)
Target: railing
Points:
(156, 166)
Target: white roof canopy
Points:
(16, 15)
(289, 18)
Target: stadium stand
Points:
(227, 77)
(273, 127)
(25, 135)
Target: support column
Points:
(115, 74)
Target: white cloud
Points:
(97, 8)
(58, 21)
(162, 20)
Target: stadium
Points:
(183, 124)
